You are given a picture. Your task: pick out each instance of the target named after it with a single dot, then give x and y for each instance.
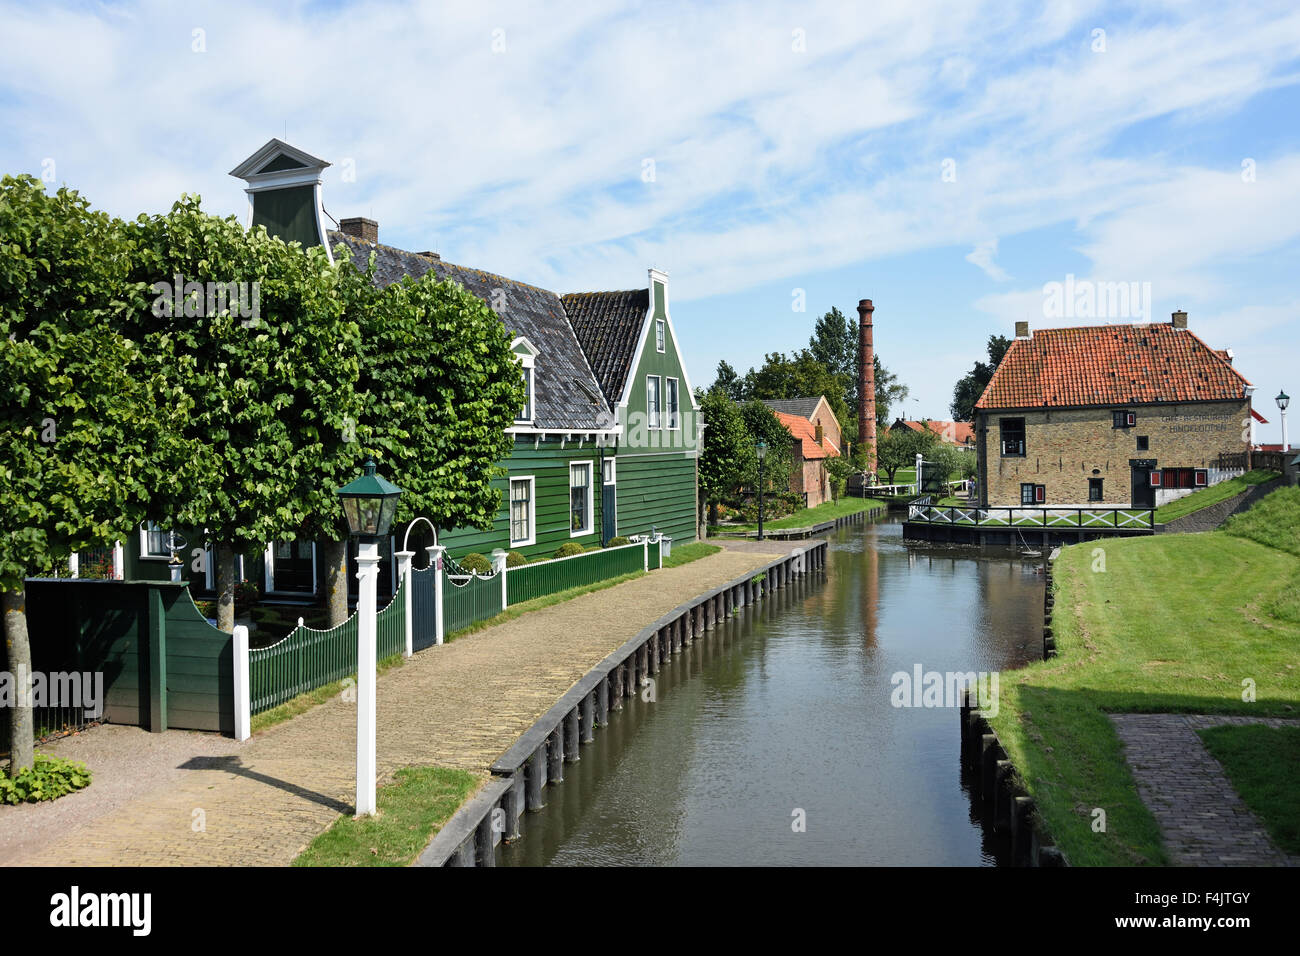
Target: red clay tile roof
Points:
(1110, 365)
(805, 433)
(960, 433)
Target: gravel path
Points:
(183, 798)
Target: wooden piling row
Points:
(1002, 791)
(536, 760)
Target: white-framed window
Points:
(153, 542)
(610, 472)
(290, 567)
(580, 498)
(526, 413)
(659, 334)
(522, 511)
(652, 401)
(670, 403)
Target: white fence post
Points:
(243, 708)
(74, 563)
(118, 562)
(499, 566)
(645, 554)
(404, 576)
(435, 562)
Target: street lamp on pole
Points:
(761, 450)
(369, 503)
(1283, 400)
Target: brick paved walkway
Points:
(460, 705)
(1204, 821)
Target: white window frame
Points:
(268, 571)
(673, 416)
(145, 553)
(661, 336)
(531, 481)
(591, 509)
(525, 415)
(612, 463)
(655, 417)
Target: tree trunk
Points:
(703, 524)
(22, 740)
(225, 587)
(336, 581)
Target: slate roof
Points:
(805, 436)
(1111, 365)
(566, 393)
(803, 407)
(608, 326)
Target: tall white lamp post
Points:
(1283, 400)
(369, 503)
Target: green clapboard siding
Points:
(549, 464)
(657, 491)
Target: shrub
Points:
(568, 550)
(47, 779)
(476, 562)
(515, 558)
(618, 541)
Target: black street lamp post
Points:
(761, 449)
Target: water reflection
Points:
(784, 713)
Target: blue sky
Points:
(793, 147)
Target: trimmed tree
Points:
(439, 386)
(272, 378)
(91, 425)
(725, 454)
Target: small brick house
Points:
(1111, 416)
(816, 433)
(958, 434)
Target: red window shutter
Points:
(1155, 479)
(1130, 419)
(1040, 493)
(1202, 477)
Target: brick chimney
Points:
(367, 230)
(821, 434)
(866, 385)
(1180, 320)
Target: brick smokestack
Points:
(866, 386)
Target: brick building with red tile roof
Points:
(1109, 415)
(816, 433)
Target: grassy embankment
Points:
(807, 517)
(682, 554)
(1181, 507)
(1174, 624)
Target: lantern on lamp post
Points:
(369, 503)
(1283, 400)
(761, 450)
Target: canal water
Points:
(775, 740)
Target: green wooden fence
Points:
(467, 600)
(547, 577)
(309, 658)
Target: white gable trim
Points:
(647, 324)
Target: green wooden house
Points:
(605, 446)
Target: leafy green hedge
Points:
(48, 779)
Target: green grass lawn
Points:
(1255, 758)
(411, 811)
(1224, 490)
(686, 553)
(1174, 624)
(807, 517)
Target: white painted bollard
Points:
(435, 562)
(243, 707)
(404, 576)
(499, 567)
